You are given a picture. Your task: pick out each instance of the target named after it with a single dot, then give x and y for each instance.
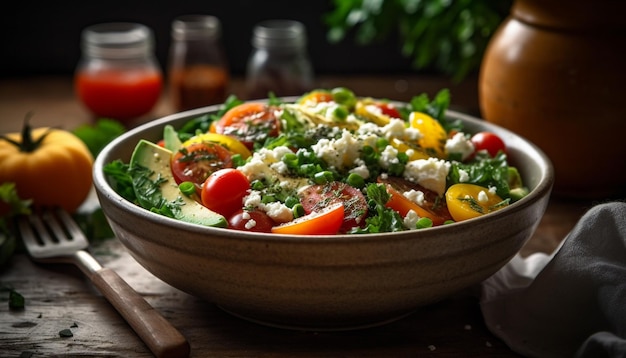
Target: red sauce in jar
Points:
(118, 94)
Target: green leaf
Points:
(98, 135)
(446, 35)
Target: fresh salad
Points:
(329, 163)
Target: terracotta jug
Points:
(554, 73)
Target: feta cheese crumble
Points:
(460, 144)
(430, 173)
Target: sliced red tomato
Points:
(249, 123)
(197, 161)
(488, 141)
(318, 197)
(327, 221)
(224, 190)
(434, 207)
(254, 220)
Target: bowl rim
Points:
(103, 190)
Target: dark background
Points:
(43, 38)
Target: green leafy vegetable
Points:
(484, 171)
(449, 36)
(97, 136)
(383, 218)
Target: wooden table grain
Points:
(59, 297)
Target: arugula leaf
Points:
(484, 171)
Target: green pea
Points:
(340, 113)
(291, 201)
(355, 180)
(344, 96)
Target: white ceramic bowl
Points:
(325, 282)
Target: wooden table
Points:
(59, 297)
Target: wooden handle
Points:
(163, 339)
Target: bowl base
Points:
(317, 327)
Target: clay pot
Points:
(554, 73)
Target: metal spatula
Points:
(51, 235)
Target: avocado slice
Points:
(157, 160)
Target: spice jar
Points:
(118, 75)
(198, 71)
(279, 62)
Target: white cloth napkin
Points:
(568, 304)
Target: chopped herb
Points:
(474, 205)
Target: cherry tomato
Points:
(434, 135)
(467, 201)
(488, 141)
(224, 190)
(317, 197)
(434, 207)
(254, 220)
(328, 221)
(197, 161)
(388, 109)
(249, 123)
(228, 142)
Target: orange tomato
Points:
(249, 122)
(324, 222)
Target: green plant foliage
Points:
(449, 36)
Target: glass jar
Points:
(118, 75)
(279, 62)
(198, 70)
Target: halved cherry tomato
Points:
(253, 220)
(467, 201)
(230, 143)
(197, 161)
(249, 123)
(377, 111)
(224, 190)
(488, 141)
(317, 197)
(324, 222)
(434, 207)
(387, 109)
